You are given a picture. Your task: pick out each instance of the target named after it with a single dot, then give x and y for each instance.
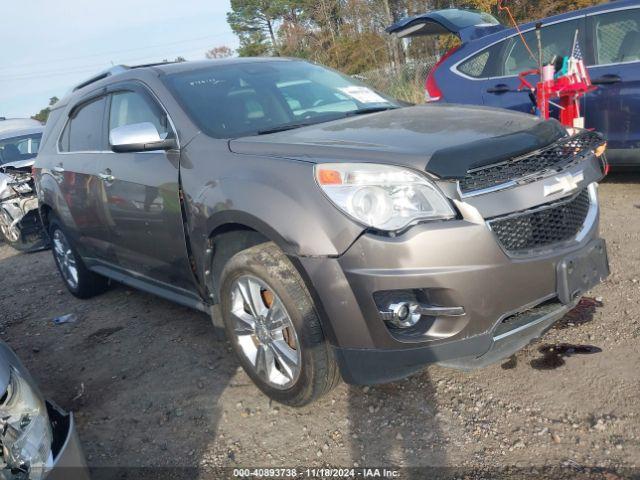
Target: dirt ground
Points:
(151, 385)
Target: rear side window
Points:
(617, 37)
(510, 57)
(557, 41)
(128, 108)
(84, 132)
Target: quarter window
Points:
(617, 37)
(83, 131)
(476, 66)
(128, 108)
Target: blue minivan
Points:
(484, 69)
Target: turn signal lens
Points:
(329, 177)
(600, 150)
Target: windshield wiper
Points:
(322, 119)
(314, 120)
(364, 111)
(282, 128)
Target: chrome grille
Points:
(557, 157)
(543, 226)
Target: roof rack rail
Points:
(115, 71)
(104, 74)
(154, 64)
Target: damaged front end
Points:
(20, 224)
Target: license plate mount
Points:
(580, 272)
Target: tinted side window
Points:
(617, 36)
(84, 129)
(128, 108)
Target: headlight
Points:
(382, 196)
(25, 432)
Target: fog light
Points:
(404, 315)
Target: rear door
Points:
(511, 57)
(142, 195)
(615, 107)
(81, 147)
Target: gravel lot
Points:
(152, 386)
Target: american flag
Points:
(582, 74)
(577, 51)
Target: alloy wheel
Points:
(9, 230)
(65, 258)
(265, 332)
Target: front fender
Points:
(275, 196)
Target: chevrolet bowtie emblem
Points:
(564, 184)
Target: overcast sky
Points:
(46, 47)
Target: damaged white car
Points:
(20, 224)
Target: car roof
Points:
(179, 67)
(611, 5)
(15, 127)
(118, 72)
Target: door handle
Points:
(106, 176)
(499, 89)
(607, 80)
(58, 168)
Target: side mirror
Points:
(138, 137)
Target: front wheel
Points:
(273, 327)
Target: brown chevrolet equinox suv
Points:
(332, 231)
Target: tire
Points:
(284, 299)
(85, 283)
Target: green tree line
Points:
(349, 34)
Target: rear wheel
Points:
(273, 327)
(80, 281)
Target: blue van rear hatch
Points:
(466, 24)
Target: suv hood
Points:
(19, 165)
(445, 140)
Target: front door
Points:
(614, 108)
(142, 196)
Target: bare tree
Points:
(219, 52)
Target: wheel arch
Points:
(237, 231)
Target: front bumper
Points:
(456, 264)
(68, 462)
(370, 367)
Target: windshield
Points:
(19, 148)
(228, 101)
